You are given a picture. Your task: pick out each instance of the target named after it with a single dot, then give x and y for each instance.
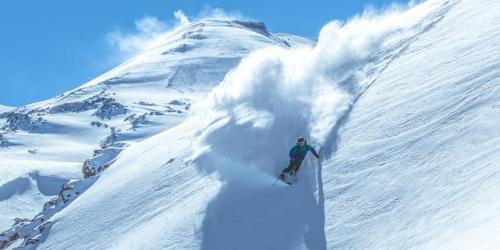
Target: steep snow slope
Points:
(417, 165)
(45, 144)
(207, 182)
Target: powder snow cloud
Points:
(276, 94)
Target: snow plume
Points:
(219, 13)
(149, 31)
(276, 95)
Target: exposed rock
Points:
(183, 48)
(101, 160)
(110, 139)
(136, 120)
(156, 113)
(3, 141)
(104, 157)
(146, 103)
(258, 27)
(186, 105)
(177, 102)
(99, 124)
(35, 231)
(93, 102)
(106, 107)
(109, 109)
(194, 34)
(20, 121)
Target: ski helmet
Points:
(301, 139)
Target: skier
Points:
(297, 155)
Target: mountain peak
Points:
(257, 26)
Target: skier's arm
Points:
(313, 151)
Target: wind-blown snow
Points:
(276, 95)
(149, 32)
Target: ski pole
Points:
(276, 180)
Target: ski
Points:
(282, 178)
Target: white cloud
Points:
(181, 18)
(148, 31)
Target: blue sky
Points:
(51, 46)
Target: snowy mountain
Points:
(44, 145)
(4, 108)
(403, 107)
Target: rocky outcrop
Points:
(258, 27)
(101, 160)
(21, 121)
(3, 141)
(35, 231)
(110, 108)
(136, 120)
(105, 107)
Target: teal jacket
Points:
(299, 152)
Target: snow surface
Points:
(417, 159)
(4, 108)
(403, 106)
(140, 98)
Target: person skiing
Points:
(297, 155)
